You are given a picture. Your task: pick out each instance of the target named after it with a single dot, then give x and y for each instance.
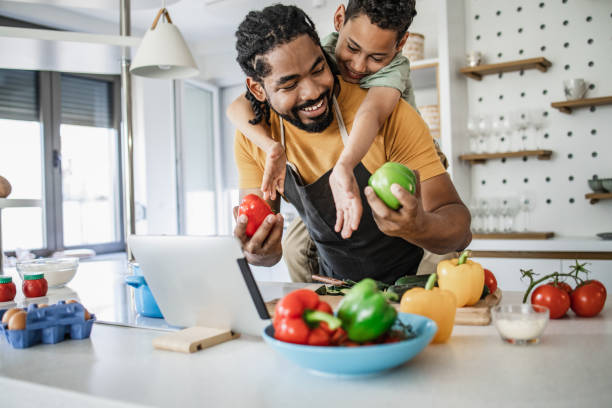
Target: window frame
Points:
(178, 147)
(52, 197)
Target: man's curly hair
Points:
(259, 33)
(394, 15)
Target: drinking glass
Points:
(510, 209)
(473, 134)
(527, 205)
(496, 134)
(484, 128)
(538, 119)
(508, 129)
(483, 213)
(495, 212)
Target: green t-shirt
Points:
(395, 75)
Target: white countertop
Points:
(562, 244)
(118, 366)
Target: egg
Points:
(87, 316)
(18, 321)
(7, 315)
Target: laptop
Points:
(201, 281)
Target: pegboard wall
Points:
(576, 36)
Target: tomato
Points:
(490, 281)
(7, 289)
(256, 209)
(388, 174)
(563, 286)
(555, 299)
(34, 285)
(601, 285)
(589, 299)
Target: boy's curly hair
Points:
(394, 15)
(261, 32)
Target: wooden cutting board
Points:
(476, 315)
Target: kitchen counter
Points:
(117, 366)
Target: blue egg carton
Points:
(50, 325)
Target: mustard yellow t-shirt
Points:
(404, 138)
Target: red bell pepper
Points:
(301, 318)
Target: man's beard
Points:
(320, 123)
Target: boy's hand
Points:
(274, 172)
(347, 199)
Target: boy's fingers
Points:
(339, 219)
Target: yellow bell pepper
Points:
(437, 304)
(463, 277)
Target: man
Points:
(289, 83)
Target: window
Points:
(59, 143)
(198, 158)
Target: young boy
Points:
(366, 50)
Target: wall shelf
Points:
(515, 235)
(595, 197)
(477, 72)
(567, 106)
(478, 158)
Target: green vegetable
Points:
(388, 174)
(365, 312)
(418, 280)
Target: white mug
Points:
(474, 58)
(574, 88)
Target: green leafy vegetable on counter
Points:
(392, 292)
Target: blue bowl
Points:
(357, 361)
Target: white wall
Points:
(581, 143)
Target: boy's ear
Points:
(256, 89)
(400, 45)
(339, 17)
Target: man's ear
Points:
(402, 42)
(256, 89)
(339, 17)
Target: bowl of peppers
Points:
(365, 336)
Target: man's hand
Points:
(264, 247)
(408, 222)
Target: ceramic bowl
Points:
(607, 184)
(520, 323)
(57, 271)
(357, 361)
(596, 185)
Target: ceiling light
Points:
(163, 52)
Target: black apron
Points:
(368, 253)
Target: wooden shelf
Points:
(478, 158)
(477, 72)
(595, 197)
(515, 235)
(567, 106)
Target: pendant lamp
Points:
(163, 52)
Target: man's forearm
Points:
(444, 230)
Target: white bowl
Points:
(57, 271)
(521, 323)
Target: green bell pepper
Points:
(388, 174)
(365, 312)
